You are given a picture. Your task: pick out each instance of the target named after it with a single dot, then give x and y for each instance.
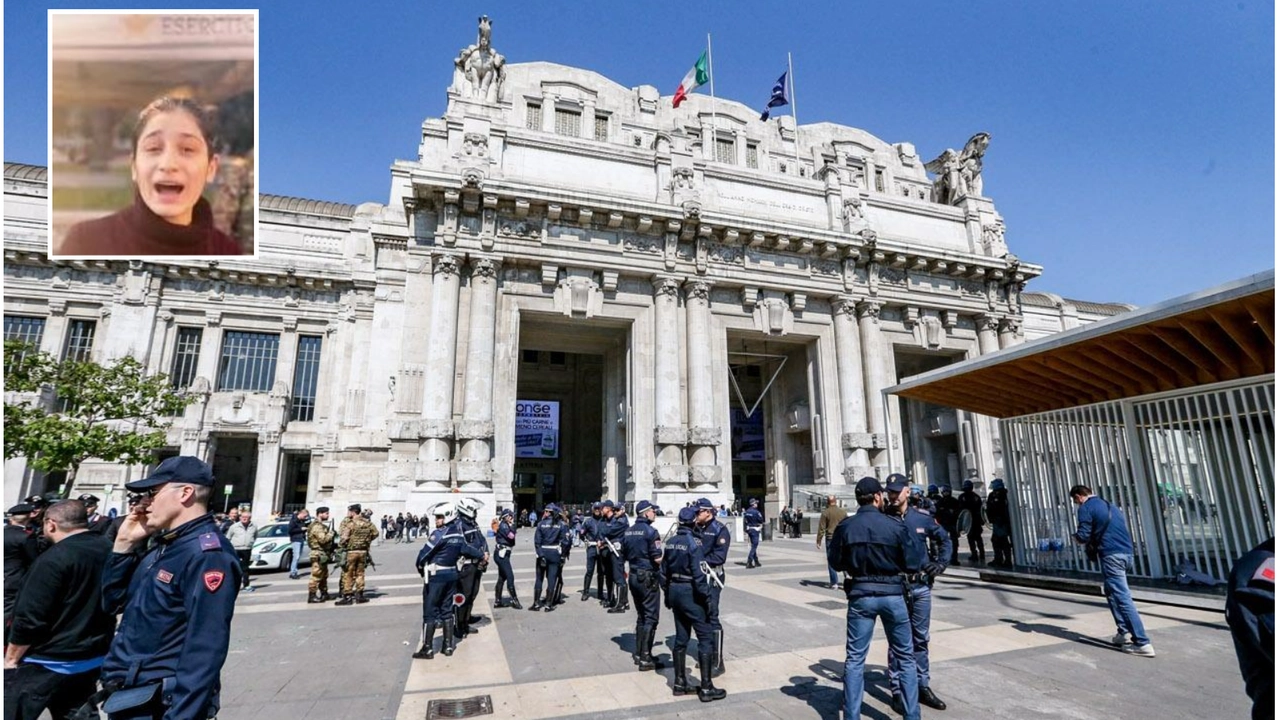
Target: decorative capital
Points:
(697, 290)
(445, 265)
(986, 322)
(666, 287)
(844, 305)
(869, 309)
(1011, 325)
(484, 268)
(213, 318)
(57, 306)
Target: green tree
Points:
(57, 414)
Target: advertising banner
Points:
(537, 429)
(747, 434)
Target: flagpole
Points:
(792, 75)
(711, 76)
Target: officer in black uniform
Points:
(19, 554)
(753, 522)
(177, 600)
(505, 540)
(472, 567)
(591, 539)
(642, 549)
(613, 532)
(935, 544)
(948, 514)
(715, 548)
(548, 543)
(98, 523)
(876, 551)
(1251, 615)
(970, 501)
(686, 588)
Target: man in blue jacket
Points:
(1100, 525)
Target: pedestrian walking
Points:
(1100, 527)
(242, 535)
(831, 517)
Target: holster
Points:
(159, 693)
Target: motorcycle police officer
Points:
(437, 563)
(1251, 615)
(472, 566)
(876, 551)
(686, 588)
(935, 545)
(548, 543)
(715, 548)
(613, 531)
(591, 539)
(505, 540)
(753, 519)
(642, 549)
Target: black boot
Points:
(324, 595)
(515, 603)
(586, 595)
(346, 600)
(448, 643)
(427, 651)
(536, 606)
(645, 640)
(499, 601)
(707, 691)
(680, 686)
(313, 598)
(718, 669)
(360, 598)
(928, 699)
(897, 705)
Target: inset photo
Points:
(152, 133)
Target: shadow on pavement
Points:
(625, 641)
(824, 699)
(1058, 632)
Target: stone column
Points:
(587, 129)
(670, 434)
(436, 428)
(476, 428)
(210, 348)
(987, 428)
(548, 112)
(708, 141)
(875, 378)
(1010, 332)
(853, 411)
(266, 486)
(704, 436)
(55, 328)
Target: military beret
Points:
(88, 499)
(353, 507)
(180, 469)
(322, 510)
(21, 509)
(644, 505)
(688, 515)
(868, 486)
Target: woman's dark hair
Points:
(204, 116)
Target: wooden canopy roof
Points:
(1225, 333)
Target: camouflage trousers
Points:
(353, 575)
(319, 576)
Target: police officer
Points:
(1001, 525)
(1251, 615)
(642, 549)
(687, 591)
(566, 547)
(437, 563)
(876, 551)
(505, 541)
(614, 530)
(948, 514)
(548, 544)
(753, 519)
(19, 554)
(935, 545)
(98, 523)
(591, 539)
(970, 501)
(715, 548)
(472, 566)
(177, 600)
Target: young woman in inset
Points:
(173, 160)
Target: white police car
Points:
(272, 550)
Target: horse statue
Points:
(479, 70)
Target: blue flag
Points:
(778, 98)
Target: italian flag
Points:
(694, 79)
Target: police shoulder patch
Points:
(1266, 572)
(724, 540)
(209, 541)
(213, 580)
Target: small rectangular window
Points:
(529, 357)
(725, 151)
(79, 340)
(879, 180)
(602, 128)
(23, 329)
(186, 355)
(558, 359)
(533, 116)
(248, 361)
(753, 155)
(568, 123)
(306, 372)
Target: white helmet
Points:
(443, 510)
(468, 507)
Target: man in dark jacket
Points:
(19, 553)
(60, 632)
(297, 536)
(970, 501)
(1101, 525)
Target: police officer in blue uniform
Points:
(642, 549)
(1251, 615)
(935, 543)
(548, 543)
(876, 551)
(505, 540)
(591, 539)
(715, 548)
(687, 590)
(177, 599)
(753, 520)
(438, 565)
(614, 530)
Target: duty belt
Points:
(550, 547)
(918, 578)
(754, 527)
(681, 578)
(886, 579)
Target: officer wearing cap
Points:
(715, 548)
(505, 540)
(876, 551)
(687, 591)
(642, 549)
(19, 554)
(177, 599)
(1251, 615)
(753, 519)
(438, 564)
(614, 529)
(98, 523)
(35, 520)
(591, 539)
(935, 544)
(548, 544)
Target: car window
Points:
(277, 530)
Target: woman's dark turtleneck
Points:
(136, 232)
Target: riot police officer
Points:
(1001, 525)
(438, 565)
(753, 520)
(970, 501)
(948, 514)
(642, 549)
(715, 548)
(876, 551)
(687, 588)
(591, 539)
(935, 545)
(1251, 615)
(548, 544)
(613, 531)
(505, 540)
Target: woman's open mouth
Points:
(169, 191)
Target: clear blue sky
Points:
(1133, 143)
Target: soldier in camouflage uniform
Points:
(320, 539)
(233, 200)
(356, 536)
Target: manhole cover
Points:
(465, 708)
(830, 604)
